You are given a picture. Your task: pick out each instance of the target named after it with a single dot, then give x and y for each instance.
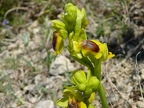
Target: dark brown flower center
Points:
(88, 44)
(73, 104)
(54, 41)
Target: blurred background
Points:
(32, 76)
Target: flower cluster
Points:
(82, 93)
(90, 53)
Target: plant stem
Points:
(97, 69)
(101, 91)
(102, 96)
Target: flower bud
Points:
(57, 25)
(93, 83)
(63, 33)
(78, 77)
(91, 106)
(81, 87)
(70, 15)
(87, 93)
(81, 20)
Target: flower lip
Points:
(73, 103)
(88, 44)
(54, 41)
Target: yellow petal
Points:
(76, 46)
(98, 55)
(87, 52)
(96, 42)
(82, 105)
(105, 51)
(91, 99)
(110, 55)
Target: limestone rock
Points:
(61, 65)
(45, 104)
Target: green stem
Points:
(101, 91)
(102, 95)
(97, 69)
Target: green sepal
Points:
(93, 83)
(71, 87)
(82, 35)
(63, 102)
(57, 25)
(78, 77)
(73, 93)
(81, 87)
(63, 33)
(81, 17)
(87, 93)
(91, 106)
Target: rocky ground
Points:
(31, 76)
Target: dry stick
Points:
(42, 11)
(117, 90)
(137, 71)
(110, 83)
(13, 9)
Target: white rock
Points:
(13, 45)
(45, 104)
(142, 75)
(29, 87)
(43, 54)
(61, 65)
(32, 45)
(140, 104)
(33, 99)
(37, 78)
(113, 98)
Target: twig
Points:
(43, 9)
(113, 86)
(13, 9)
(137, 71)
(117, 90)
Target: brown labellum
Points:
(72, 104)
(88, 44)
(54, 39)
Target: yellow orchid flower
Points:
(93, 48)
(57, 43)
(73, 103)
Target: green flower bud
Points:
(63, 33)
(90, 106)
(80, 36)
(81, 87)
(93, 83)
(57, 25)
(81, 20)
(87, 93)
(70, 15)
(78, 77)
